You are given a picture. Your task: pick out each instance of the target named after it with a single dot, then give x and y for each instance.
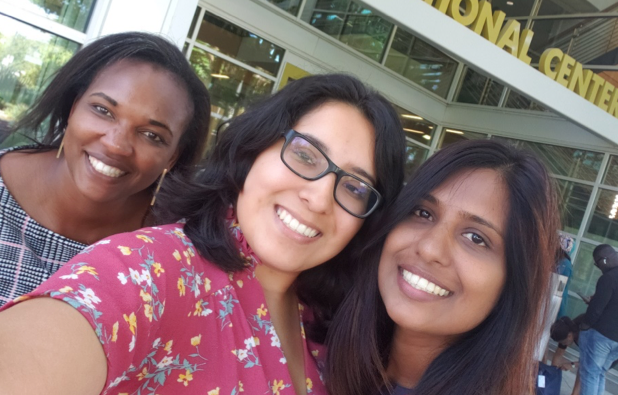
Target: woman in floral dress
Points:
(214, 305)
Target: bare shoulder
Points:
(46, 346)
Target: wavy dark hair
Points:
(204, 203)
(49, 114)
(497, 356)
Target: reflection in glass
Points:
(569, 162)
(585, 274)
(478, 89)
(611, 176)
(291, 6)
(231, 87)
(566, 34)
(572, 200)
(415, 127)
(329, 23)
(521, 102)
(28, 57)
(513, 8)
(450, 136)
(240, 44)
(72, 13)
(560, 7)
(421, 63)
(603, 225)
(332, 5)
(415, 156)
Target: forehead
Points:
(480, 192)
(345, 133)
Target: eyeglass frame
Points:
(331, 168)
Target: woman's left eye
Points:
(475, 238)
(102, 110)
(153, 136)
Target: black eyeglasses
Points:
(307, 161)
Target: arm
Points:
(48, 347)
(558, 355)
(601, 297)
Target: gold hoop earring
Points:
(154, 195)
(60, 149)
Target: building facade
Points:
(447, 81)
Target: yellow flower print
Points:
(301, 307)
(207, 284)
(146, 239)
(168, 346)
(115, 332)
(146, 297)
(65, 289)
(198, 308)
(240, 387)
(277, 385)
(256, 340)
(261, 311)
(185, 378)
(142, 375)
(148, 312)
(181, 286)
(179, 233)
(188, 254)
(132, 321)
(88, 269)
(315, 353)
(302, 331)
(195, 341)
(124, 250)
(214, 392)
(177, 255)
(309, 384)
(158, 269)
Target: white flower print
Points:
(156, 342)
(283, 360)
(274, 339)
(89, 298)
(205, 312)
(165, 361)
(69, 277)
(135, 276)
(132, 344)
(242, 354)
(106, 241)
(145, 276)
(122, 277)
(250, 343)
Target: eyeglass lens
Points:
(306, 160)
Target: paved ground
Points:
(568, 379)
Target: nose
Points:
(318, 194)
(117, 141)
(435, 244)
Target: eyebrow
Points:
(358, 170)
(467, 215)
(115, 104)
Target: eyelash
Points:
(418, 212)
(102, 110)
(105, 112)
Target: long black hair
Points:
(496, 357)
(204, 203)
(49, 115)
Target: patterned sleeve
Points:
(119, 286)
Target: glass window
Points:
(421, 63)
(28, 58)
(573, 198)
(291, 6)
(478, 89)
(330, 5)
(521, 102)
(603, 225)
(416, 128)
(450, 136)
(555, 33)
(329, 23)
(569, 162)
(611, 176)
(415, 156)
(561, 7)
(513, 8)
(585, 274)
(72, 13)
(231, 87)
(240, 44)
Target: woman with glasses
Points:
(453, 281)
(217, 304)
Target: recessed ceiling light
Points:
(427, 137)
(455, 131)
(509, 3)
(413, 131)
(410, 116)
(222, 76)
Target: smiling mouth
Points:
(295, 225)
(104, 169)
(422, 284)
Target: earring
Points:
(60, 149)
(154, 195)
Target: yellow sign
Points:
(509, 36)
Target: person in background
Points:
(213, 305)
(566, 332)
(564, 267)
(598, 341)
(118, 116)
(453, 281)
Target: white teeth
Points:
(104, 169)
(423, 284)
(295, 225)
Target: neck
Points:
(411, 354)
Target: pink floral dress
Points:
(171, 322)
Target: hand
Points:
(567, 365)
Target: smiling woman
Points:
(456, 277)
(122, 112)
